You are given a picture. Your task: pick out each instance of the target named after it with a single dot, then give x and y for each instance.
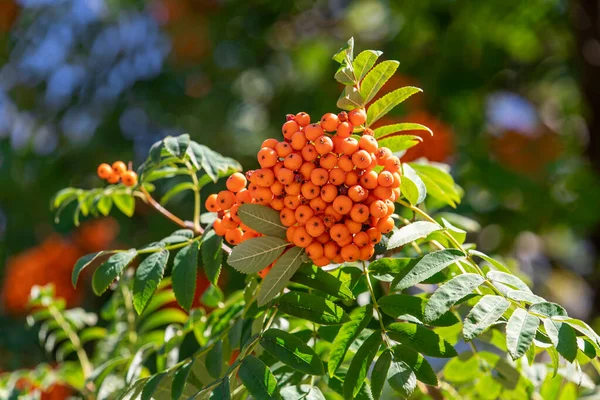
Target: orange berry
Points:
(328, 161)
(378, 209)
(337, 176)
(382, 192)
(374, 235)
(211, 203)
(293, 188)
(353, 226)
(271, 143)
(314, 250)
(263, 195)
(329, 122)
(310, 190)
(338, 259)
(233, 213)
(397, 179)
(361, 239)
(361, 159)
(369, 180)
(302, 119)
(357, 193)
(283, 149)
(228, 222)
(289, 128)
(315, 226)
(319, 176)
(331, 250)
(352, 178)
(330, 211)
(292, 202)
(309, 153)
(345, 163)
(358, 116)
(129, 178)
(342, 204)
(313, 131)
(323, 237)
(104, 171)
(263, 272)
(277, 204)
(345, 129)
(306, 169)
(303, 213)
(339, 232)
(264, 177)
(225, 199)
(277, 188)
(350, 252)
(293, 161)
(302, 238)
(329, 192)
(349, 146)
(277, 167)
(113, 178)
(249, 235)
(359, 213)
(287, 217)
(218, 227)
(285, 176)
(236, 182)
(368, 143)
(391, 207)
(366, 252)
(373, 162)
(267, 157)
(382, 154)
(337, 144)
(321, 262)
(345, 242)
(119, 167)
(324, 145)
(392, 164)
(385, 225)
(234, 236)
(396, 194)
(385, 178)
(298, 141)
(289, 233)
(370, 199)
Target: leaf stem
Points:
(175, 219)
(375, 305)
(196, 222)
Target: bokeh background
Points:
(511, 90)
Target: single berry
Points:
(104, 171)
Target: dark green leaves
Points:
(83, 263)
(412, 232)
(417, 364)
(302, 392)
(485, 313)
(412, 188)
(214, 360)
(262, 219)
(212, 255)
(563, 337)
(111, 269)
(177, 146)
(258, 379)
(548, 309)
(312, 308)
(375, 80)
(255, 254)
(185, 270)
(360, 364)
(386, 103)
(280, 274)
(439, 183)
(421, 339)
(520, 332)
(359, 319)
(314, 277)
(292, 351)
(379, 374)
(448, 294)
(427, 266)
(412, 308)
(507, 279)
(147, 277)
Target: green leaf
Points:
(177, 146)
(364, 62)
(527, 297)
(258, 379)
(350, 99)
(175, 190)
(180, 380)
(212, 296)
(379, 374)
(312, 308)
(125, 203)
(485, 313)
(583, 328)
(412, 188)
(548, 309)
(520, 331)
(412, 309)
(147, 277)
(214, 360)
(214, 164)
(464, 368)
(302, 392)
(389, 130)
(111, 269)
(185, 271)
(375, 79)
(563, 337)
(279, 276)
(63, 195)
(421, 339)
(385, 269)
(448, 294)
(212, 255)
(439, 183)
(221, 391)
(417, 363)
(151, 385)
(163, 317)
(427, 266)
(359, 319)
(83, 263)
(256, 254)
(292, 351)
(359, 366)
(508, 279)
(262, 219)
(346, 52)
(399, 142)
(314, 277)
(410, 233)
(401, 378)
(386, 103)
(345, 74)
(497, 264)
(104, 205)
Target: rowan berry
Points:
(236, 182)
(374, 235)
(289, 128)
(397, 179)
(330, 211)
(349, 146)
(113, 178)
(329, 192)
(323, 237)
(345, 163)
(313, 131)
(233, 213)
(385, 178)
(285, 176)
(370, 199)
(357, 193)
(385, 225)
(328, 161)
(392, 164)
(382, 192)
(306, 169)
(353, 226)
(303, 213)
(104, 171)
(378, 209)
(331, 250)
(264, 177)
(361, 159)
(234, 236)
(277, 167)
(225, 199)
(293, 188)
(366, 252)
(249, 235)
(351, 178)
(358, 116)
(343, 116)
(289, 233)
(350, 252)
(263, 195)
(277, 204)
(321, 262)
(271, 143)
(337, 176)
(218, 227)
(382, 154)
(338, 259)
(359, 213)
(319, 176)
(396, 194)
(329, 122)
(298, 141)
(263, 272)
(228, 222)
(287, 217)
(119, 167)
(283, 149)
(324, 145)
(361, 239)
(391, 207)
(249, 175)
(345, 241)
(293, 161)
(337, 144)
(302, 118)
(277, 188)
(302, 238)
(309, 153)
(344, 129)
(314, 250)
(129, 178)
(292, 201)
(309, 190)
(342, 204)
(368, 143)
(315, 226)
(339, 232)
(369, 180)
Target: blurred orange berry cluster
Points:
(335, 193)
(117, 172)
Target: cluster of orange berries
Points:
(325, 184)
(117, 172)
